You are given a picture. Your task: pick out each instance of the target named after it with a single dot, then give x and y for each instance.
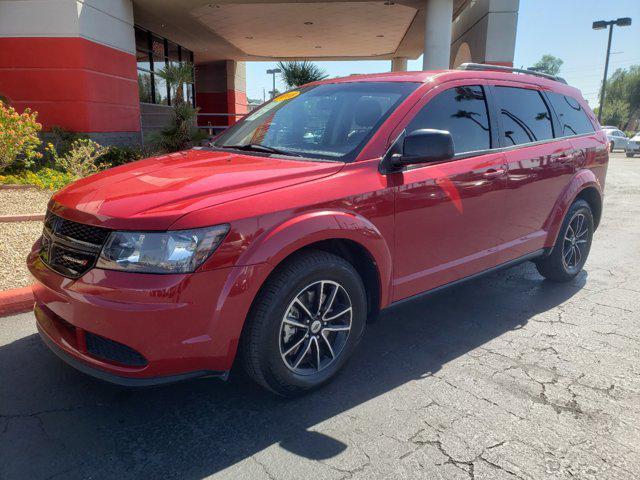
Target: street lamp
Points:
(273, 72)
(601, 25)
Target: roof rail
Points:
(500, 68)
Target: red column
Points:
(220, 88)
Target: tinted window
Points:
(573, 118)
(523, 115)
(329, 121)
(462, 111)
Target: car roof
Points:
(441, 76)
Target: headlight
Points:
(179, 251)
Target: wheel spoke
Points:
(579, 223)
(337, 315)
(570, 233)
(577, 256)
(295, 323)
(296, 345)
(582, 233)
(328, 344)
(315, 339)
(329, 303)
(303, 354)
(568, 256)
(341, 328)
(320, 298)
(304, 308)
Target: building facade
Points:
(92, 66)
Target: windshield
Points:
(329, 121)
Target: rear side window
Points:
(524, 116)
(462, 111)
(573, 119)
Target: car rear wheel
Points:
(629, 155)
(612, 146)
(305, 323)
(572, 246)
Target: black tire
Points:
(265, 332)
(612, 146)
(565, 263)
(629, 155)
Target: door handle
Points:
(493, 173)
(562, 158)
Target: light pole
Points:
(601, 25)
(273, 72)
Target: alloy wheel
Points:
(575, 242)
(315, 327)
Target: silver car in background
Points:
(617, 139)
(633, 145)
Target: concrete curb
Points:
(21, 218)
(17, 300)
(16, 187)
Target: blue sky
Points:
(559, 27)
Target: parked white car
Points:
(633, 145)
(617, 139)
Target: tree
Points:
(622, 98)
(177, 75)
(548, 64)
(296, 74)
(182, 131)
(615, 112)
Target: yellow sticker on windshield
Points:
(286, 96)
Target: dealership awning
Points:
(265, 30)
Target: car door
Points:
(621, 139)
(448, 215)
(538, 165)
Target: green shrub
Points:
(46, 178)
(121, 155)
(181, 132)
(19, 142)
(82, 158)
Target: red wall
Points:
(231, 101)
(71, 82)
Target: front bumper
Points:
(142, 329)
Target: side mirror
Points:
(423, 146)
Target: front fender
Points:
(276, 244)
(582, 180)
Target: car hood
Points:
(152, 193)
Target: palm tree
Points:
(177, 75)
(296, 74)
(182, 131)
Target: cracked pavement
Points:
(505, 377)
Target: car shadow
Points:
(54, 419)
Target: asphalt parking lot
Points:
(508, 376)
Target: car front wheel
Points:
(305, 323)
(572, 246)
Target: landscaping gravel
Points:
(16, 239)
(25, 201)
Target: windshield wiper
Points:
(258, 147)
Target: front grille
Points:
(113, 351)
(75, 230)
(70, 248)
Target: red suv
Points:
(276, 243)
